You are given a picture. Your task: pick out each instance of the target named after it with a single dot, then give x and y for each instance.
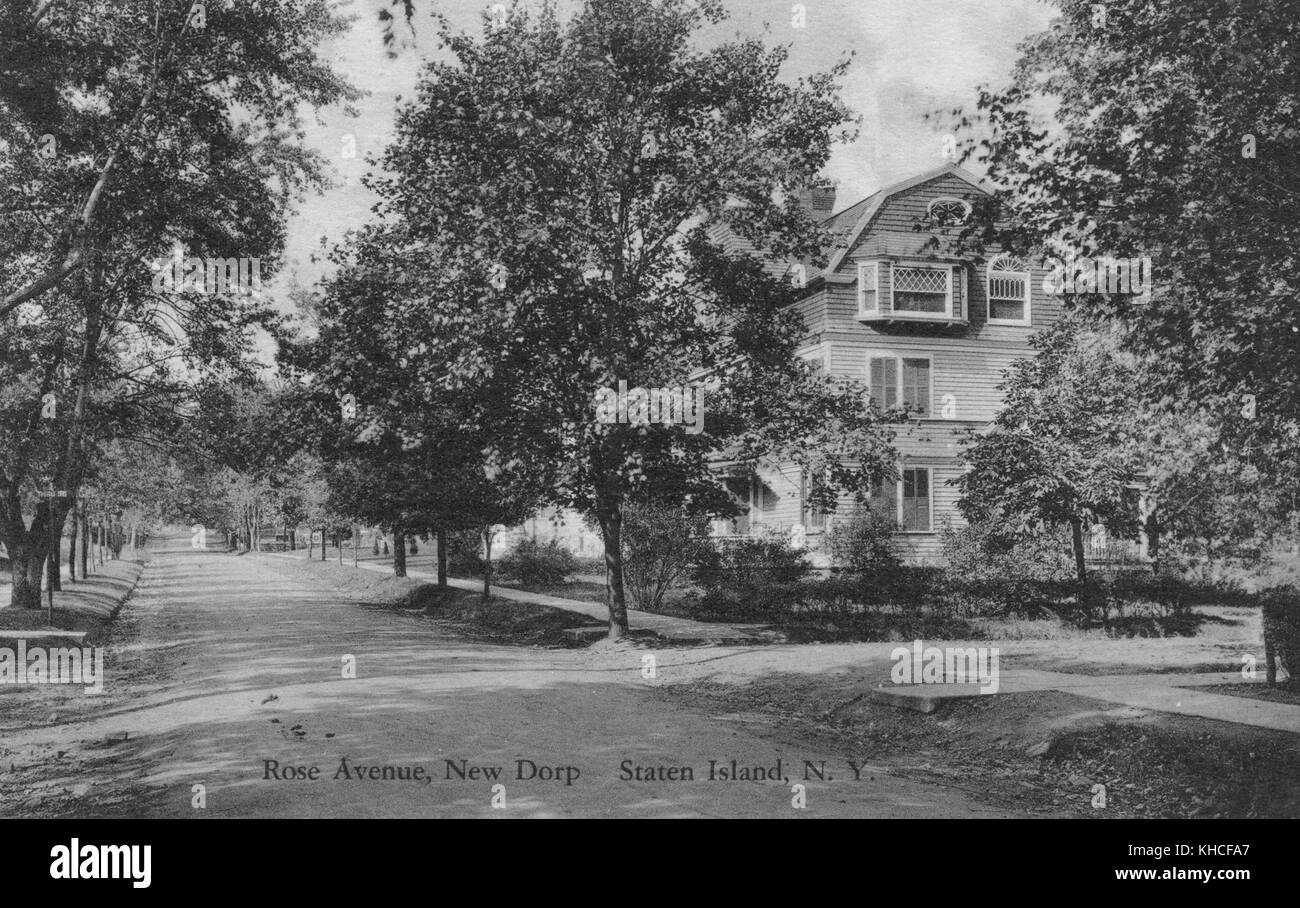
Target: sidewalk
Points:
(1162, 692)
(678, 630)
(1165, 692)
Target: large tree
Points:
(132, 129)
(1167, 128)
(1062, 450)
(399, 450)
(557, 196)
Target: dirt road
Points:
(231, 674)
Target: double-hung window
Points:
(915, 500)
(909, 500)
(814, 519)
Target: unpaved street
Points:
(219, 664)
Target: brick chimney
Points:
(818, 200)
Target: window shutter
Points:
(884, 287)
(959, 303)
(884, 379)
(884, 499)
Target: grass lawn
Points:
(462, 612)
(1150, 764)
(82, 606)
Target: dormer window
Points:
(1009, 286)
(899, 290)
(947, 212)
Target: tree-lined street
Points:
(209, 639)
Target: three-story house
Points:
(900, 307)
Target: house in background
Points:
(900, 308)
(562, 526)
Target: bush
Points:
(586, 564)
(864, 545)
(532, 562)
(660, 546)
(1281, 616)
(754, 577)
(751, 561)
(990, 574)
(464, 553)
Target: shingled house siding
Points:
(967, 360)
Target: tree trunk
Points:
(323, 531)
(441, 537)
(1153, 541)
(399, 552)
(293, 539)
(1281, 620)
(52, 563)
(72, 548)
(311, 544)
(487, 561)
(54, 533)
(610, 517)
(374, 543)
(85, 541)
(24, 593)
(1076, 532)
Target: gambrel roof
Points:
(850, 223)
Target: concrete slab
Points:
(1167, 692)
(585, 634)
(923, 698)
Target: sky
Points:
(910, 57)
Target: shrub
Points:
(660, 545)
(990, 573)
(1281, 616)
(586, 564)
(864, 545)
(464, 553)
(533, 562)
(750, 561)
(757, 576)
(774, 602)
